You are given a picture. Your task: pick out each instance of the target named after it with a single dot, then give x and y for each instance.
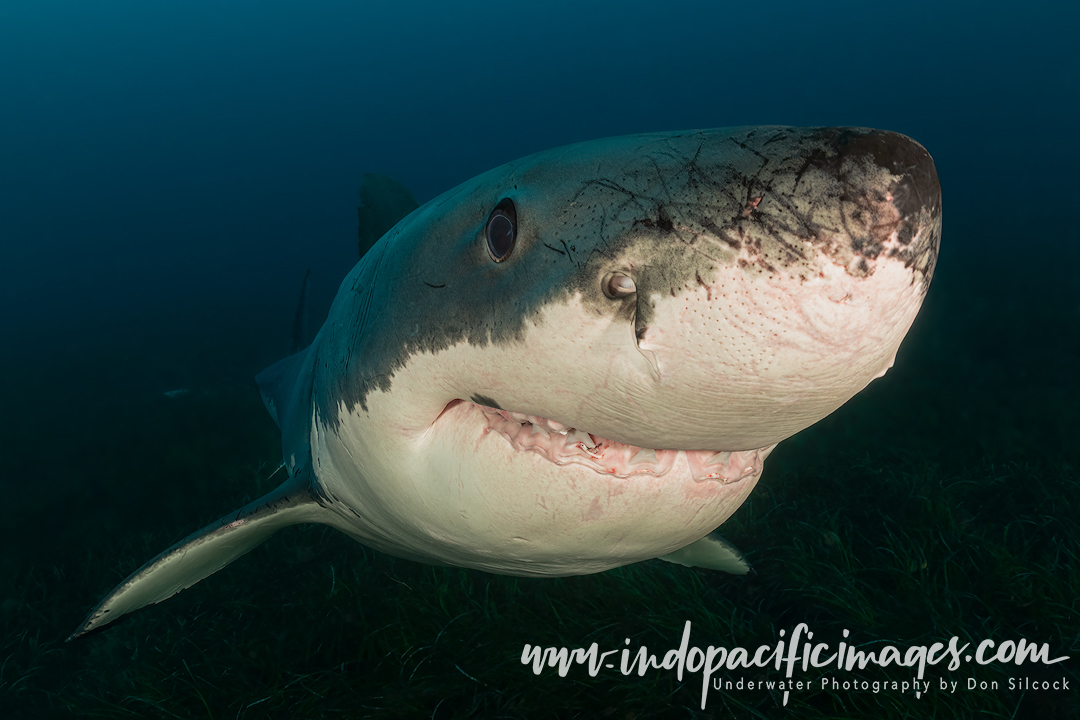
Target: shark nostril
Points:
(618, 285)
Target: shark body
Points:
(581, 359)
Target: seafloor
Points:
(942, 501)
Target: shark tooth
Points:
(720, 457)
(579, 438)
(557, 426)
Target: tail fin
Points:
(205, 552)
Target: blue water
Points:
(169, 171)
(196, 156)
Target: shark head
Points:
(584, 356)
(581, 359)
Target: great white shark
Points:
(581, 359)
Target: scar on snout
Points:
(751, 206)
(702, 283)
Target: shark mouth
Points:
(563, 445)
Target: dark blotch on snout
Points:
(918, 188)
(853, 157)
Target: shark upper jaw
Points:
(563, 445)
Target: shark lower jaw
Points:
(563, 445)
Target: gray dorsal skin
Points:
(383, 202)
(582, 359)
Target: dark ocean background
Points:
(169, 171)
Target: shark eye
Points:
(501, 230)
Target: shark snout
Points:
(916, 187)
(887, 197)
(781, 288)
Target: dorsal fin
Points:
(205, 552)
(383, 202)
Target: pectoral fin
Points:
(205, 552)
(713, 552)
